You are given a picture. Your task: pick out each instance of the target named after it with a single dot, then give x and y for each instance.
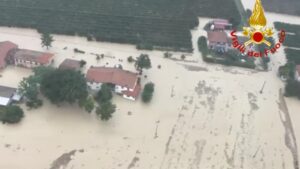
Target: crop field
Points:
(148, 24)
(291, 41)
(291, 7)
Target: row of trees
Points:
(69, 86)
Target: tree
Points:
(64, 85)
(143, 62)
(130, 59)
(148, 92)
(41, 71)
(202, 45)
(98, 58)
(248, 13)
(88, 104)
(29, 87)
(292, 89)
(167, 55)
(47, 40)
(82, 63)
(182, 57)
(106, 110)
(11, 114)
(104, 94)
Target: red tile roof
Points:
(112, 75)
(5, 48)
(135, 93)
(221, 23)
(214, 37)
(33, 56)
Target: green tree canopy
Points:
(143, 62)
(106, 110)
(41, 71)
(29, 88)
(88, 104)
(202, 45)
(292, 89)
(104, 94)
(47, 40)
(11, 114)
(64, 85)
(148, 92)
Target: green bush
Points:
(130, 59)
(104, 94)
(105, 110)
(11, 114)
(148, 92)
(33, 104)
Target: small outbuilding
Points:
(70, 64)
(8, 95)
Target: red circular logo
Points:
(258, 36)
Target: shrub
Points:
(167, 55)
(34, 103)
(79, 51)
(130, 59)
(148, 92)
(11, 114)
(82, 63)
(104, 94)
(106, 110)
(182, 57)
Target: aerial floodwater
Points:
(194, 87)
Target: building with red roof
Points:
(6, 50)
(70, 64)
(126, 82)
(218, 41)
(30, 58)
(221, 25)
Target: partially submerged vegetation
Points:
(230, 58)
(69, 86)
(287, 71)
(148, 92)
(156, 24)
(11, 114)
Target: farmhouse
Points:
(70, 64)
(125, 83)
(6, 50)
(218, 41)
(221, 25)
(30, 58)
(7, 95)
(297, 73)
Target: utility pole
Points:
(261, 91)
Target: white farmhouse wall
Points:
(120, 89)
(129, 97)
(94, 85)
